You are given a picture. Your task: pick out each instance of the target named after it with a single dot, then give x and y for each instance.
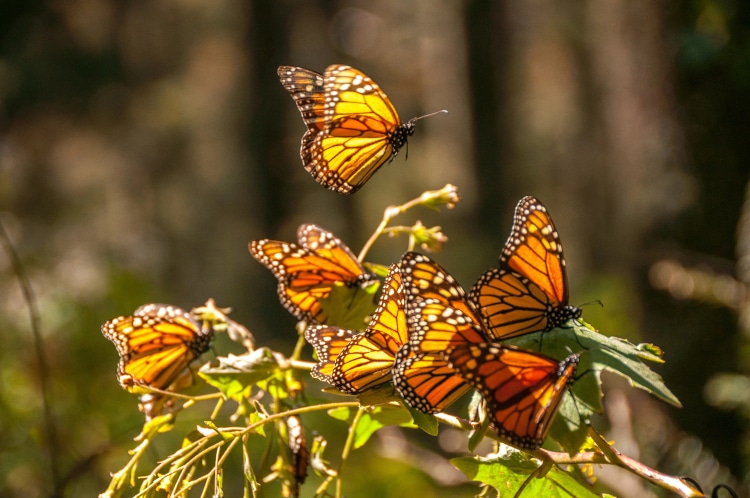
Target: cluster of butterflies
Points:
(427, 336)
(431, 339)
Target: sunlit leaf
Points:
(372, 419)
(235, 375)
(376, 418)
(425, 421)
(162, 423)
(350, 307)
(598, 353)
(508, 471)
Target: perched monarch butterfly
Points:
(529, 291)
(352, 127)
(156, 344)
(366, 360)
(307, 272)
(440, 317)
(522, 389)
(300, 455)
(449, 351)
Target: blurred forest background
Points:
(144, 144)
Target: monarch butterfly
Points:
(307, 272)
(440, 317)
(156, 344)
(300, 455)
(522, 389)
(366, 360)
(449, 351)
(529, 291)
(352, 127)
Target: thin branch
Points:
(43, 367)
(347, 450)
(446, 196)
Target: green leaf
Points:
(598, 352)
(161, 423)
(476, 436)
(343, 413)
(236, 375)
(349, 307)
(425, 421)
(508, 471)
(376, 418)
(380, 395)
(372, 419)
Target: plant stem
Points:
(42, 366)
(347, 449)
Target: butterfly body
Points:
(307, 271)
(528, 292)
(352, 127)
(156, 344)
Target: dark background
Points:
(143, 144)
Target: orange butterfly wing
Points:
(523, 390)
(328, 342)
(366, 360)
(156, 344)
(352, 126)
(307, 272)
(307, 90)
(439, 318)
(426, 381)
(529, 292)
(534, 250)
(425, 279)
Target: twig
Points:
(30, 300)
(347, 449)
(446, 196)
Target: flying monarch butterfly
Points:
(522, 389)
(439, 317)
(352, 127)
(366, 359)
(156, 344)
(307, 272)
(529, 291)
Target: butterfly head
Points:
(399, 137)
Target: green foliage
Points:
(267, 388)
(371, 419)
(347, 307)
(515, 473)
(235, 376)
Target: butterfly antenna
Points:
(587, 303)
(441, 111)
